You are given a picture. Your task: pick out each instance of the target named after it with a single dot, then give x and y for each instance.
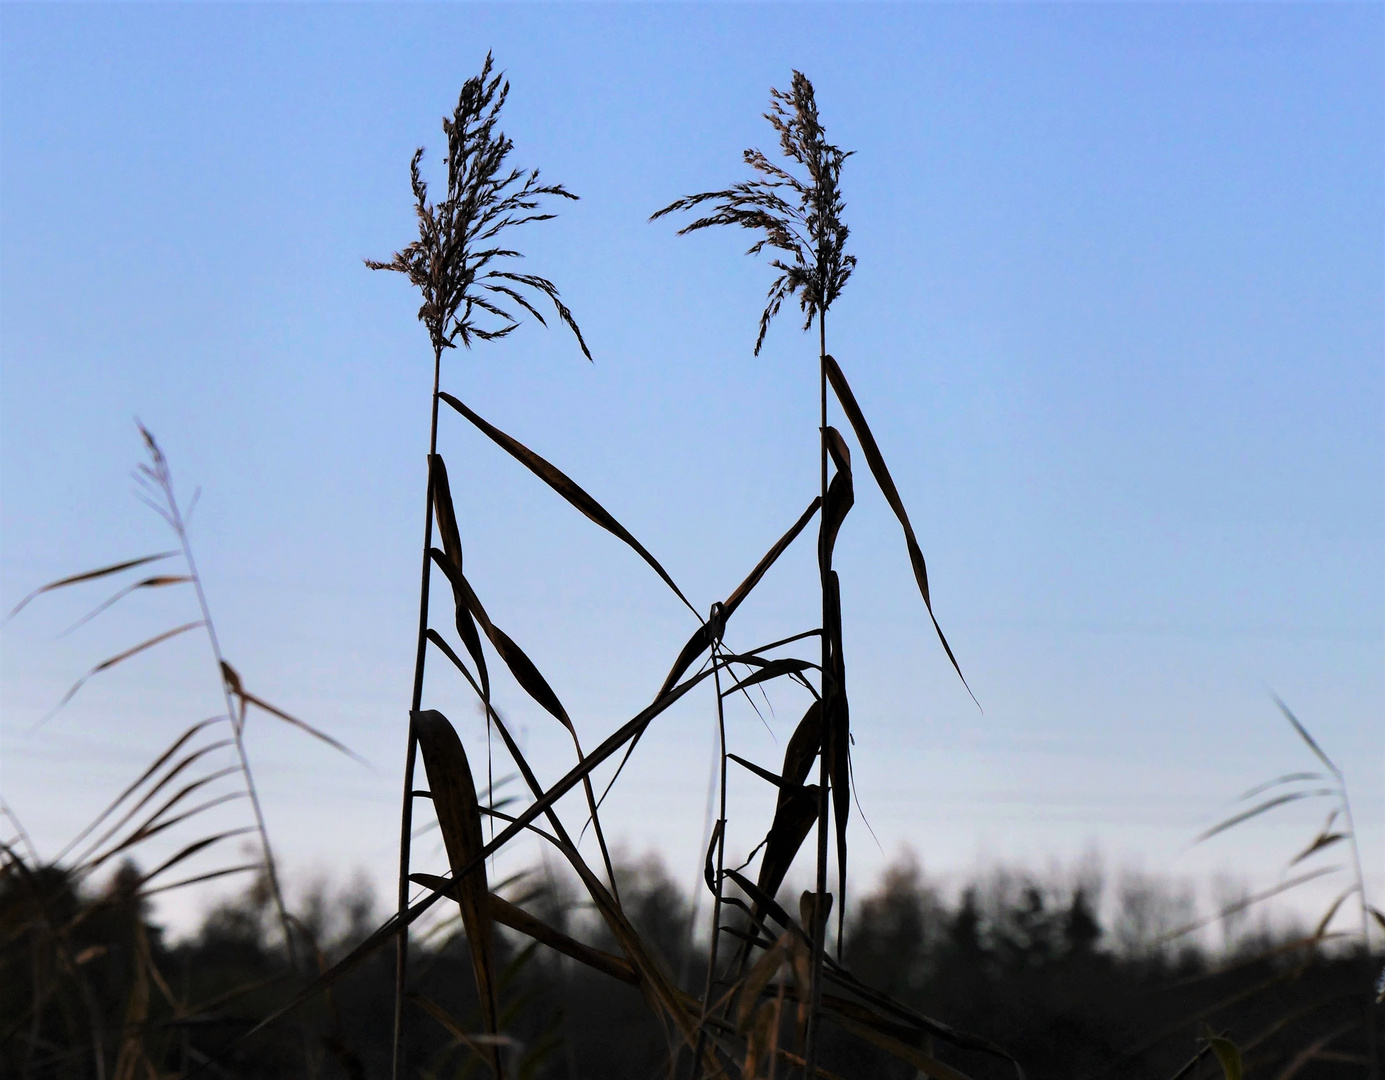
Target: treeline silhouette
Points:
(1077, 983)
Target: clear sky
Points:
(1118, 324)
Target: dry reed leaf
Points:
(516, 918)
(795, 1059)
(1303, 734)
(209, 876)
(660, 992)
(837, 737)
(1249, 901)
(763, 774)
(766, 967)
(454, 800)
(153, 827)
(794, 819)
(803, 746)
(88, 575)
(564, 485)
(701, 639)
(1321, 841)
(446, 516)
(772, 669)
(528, 676)
(494, 717)
(1287, 778)
(234, 684)
(840, 498)
(1332, 909)
(885, 482)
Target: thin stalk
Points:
(406, 815)
(1365, 926)
(237, 720)
(698, 1069)
(818, 932)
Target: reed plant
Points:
(1324, 783)
(187, 781)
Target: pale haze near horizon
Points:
(1117, 326)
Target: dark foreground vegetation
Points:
(1071, 993)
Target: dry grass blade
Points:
(157, 581)
(565, 486)
(458, 810)
(119, 657)
(485, 1049)
(881, 472)
(1321, 841)
(211, 875)
(192, 849)
(167, 779)
(1256, 811)
(89, 575)
(929, 1066)
(1249, 901)
(1303, 734)
(157, 764)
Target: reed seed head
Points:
(801, 217)
(453, 261)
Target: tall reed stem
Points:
(235, 717)
(406, 816)
(818, 933)
(697, 1069)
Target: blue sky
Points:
(1118, 326)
